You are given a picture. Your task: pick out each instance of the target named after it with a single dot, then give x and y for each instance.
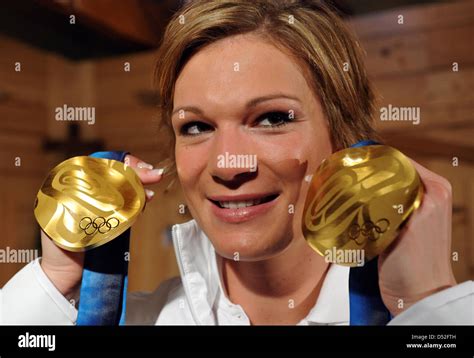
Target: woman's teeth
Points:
(239, 204)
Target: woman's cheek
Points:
(289, 156)
(190, 160)
(299, 164)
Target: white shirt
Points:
(197, 297)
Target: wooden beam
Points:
(138, 21)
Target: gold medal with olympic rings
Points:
(358, 200)
(85, 202)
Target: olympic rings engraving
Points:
(368, 230)
(99, 224)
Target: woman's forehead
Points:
(238, 67)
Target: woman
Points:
(265, 80)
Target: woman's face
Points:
(239, 102)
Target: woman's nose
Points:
(233, 158)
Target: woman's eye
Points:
(275, 119)
(194, 128)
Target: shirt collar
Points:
(332, 306)
(201, 278)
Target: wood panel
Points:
(123, 89)
(23, 115)
(432, 88)
(72, 84)
(416, 19)
(410, 53)
(32, 60)
(141, 64)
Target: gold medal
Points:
(85, 202)
(357, 201)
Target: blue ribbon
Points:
(365, 301)
(104, 279)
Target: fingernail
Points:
(143, 165)
(158, 171)
(149, 193)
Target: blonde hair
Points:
(309, 30)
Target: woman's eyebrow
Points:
(193, 109)
(255, 101)
(251, 103)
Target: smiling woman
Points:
(248, 79)
(281, 82)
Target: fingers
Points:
(435, 184)
(426, 174)
(146, 173)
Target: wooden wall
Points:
(23, 117)
(410, 64)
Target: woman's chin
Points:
(256, 238)
(253, 247)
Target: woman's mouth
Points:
(240, 208)
(236, 204)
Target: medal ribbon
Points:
(104, 279)
(365, 301)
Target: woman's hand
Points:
(418, 263)
(64, 268)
